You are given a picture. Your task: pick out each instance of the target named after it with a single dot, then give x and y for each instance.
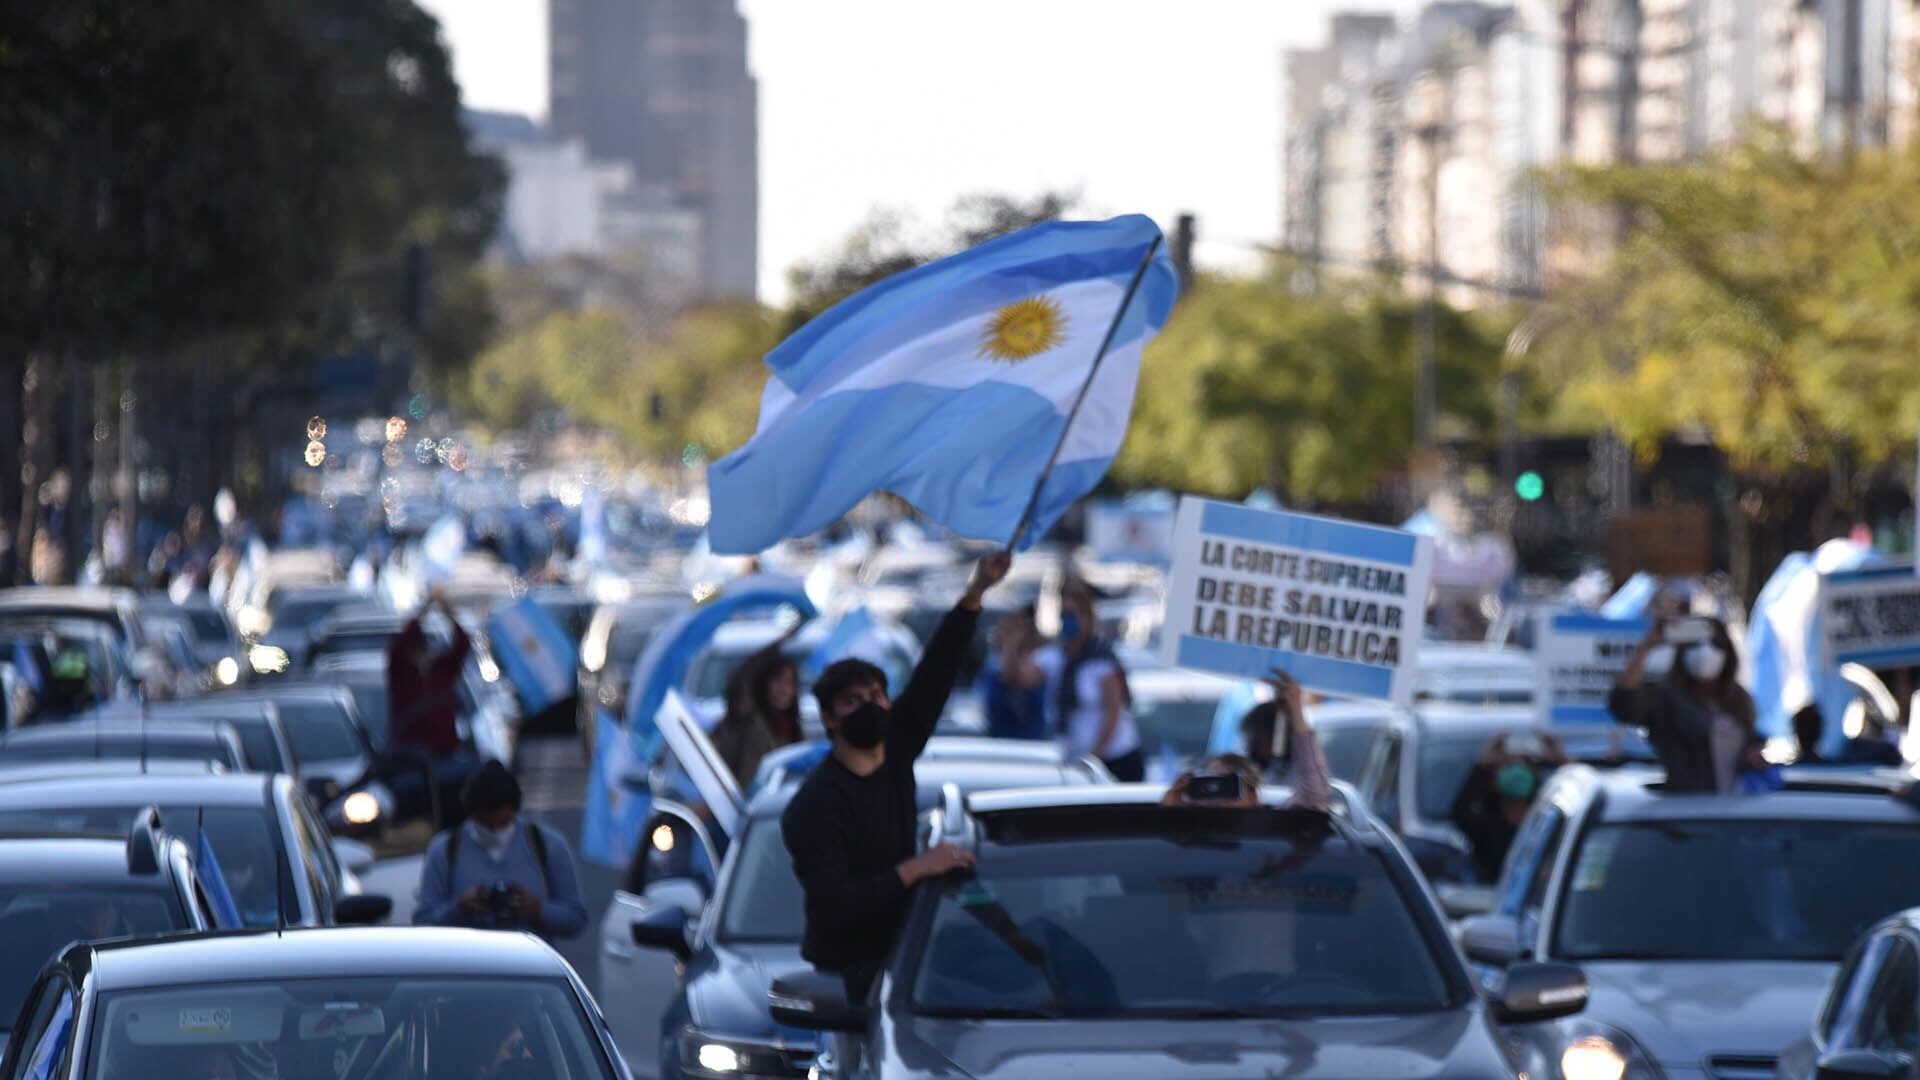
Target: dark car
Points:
(274, 854)
(616, 636)
(256, 722)
(355, 629)
(116, 609)
(57, 888)
(292, 614)
(154, 740)
(345, 1004)
(1103, 933)
(216, 644)
(323, 724)
(1708, 926)
(1869, 1026)
(664, 1017)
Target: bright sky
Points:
(1156, 106)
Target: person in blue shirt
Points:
(497, 872)
(1012, 690)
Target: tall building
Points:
(663, 86)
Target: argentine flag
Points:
(950, 385)
(537, 654)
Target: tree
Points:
(1764, 299)
(1251, 385)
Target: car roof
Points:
(65, 598)
(315, 952)
(55, 790)
(1034, 800)
(69, 859)
(206, 708)
(16, 773)
(169, 730)
(1634, 794)
(970, 774)
(295, 687)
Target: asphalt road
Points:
(553, 780)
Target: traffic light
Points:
(1529, 486)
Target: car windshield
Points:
(712, 669)
(1186, 723)
(243, 840)
(1445, 762)
(1346, 747)
(319, 730)
(123, 747)
(1155, 926)
(347, 1028)
(763, 899)
(256, 738)
(370, 697)
(302, 614)
(38, 921)
(1734, 890)
(207, 627)
(348, 641)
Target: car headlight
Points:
(267, 659)
(227, 671)
(360, 808)
(713, 1056)
(1598, 1052)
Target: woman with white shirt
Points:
(1087, 689)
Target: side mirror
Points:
(1463, 901)
(1858, 1065)
(355, 857)
(663, 928)
(1544, 991)
(814, 1002)
(1491, 939)
(362, 910)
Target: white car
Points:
(1474, 674)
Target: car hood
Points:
(1436, 1046)
(727, 991)
(1681, 1013)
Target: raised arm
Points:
(918, 708)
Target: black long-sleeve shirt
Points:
(847, 833)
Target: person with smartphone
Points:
(1499, 793)
(1699, 718)
(1234, 779)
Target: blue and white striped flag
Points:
(950, 385)
(535, 652)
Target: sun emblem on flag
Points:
(1023, 329)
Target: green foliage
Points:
(1766, 300)
(1251, 385)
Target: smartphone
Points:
(1689, 632)
(1214, 787)
(1526, 744)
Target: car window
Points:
(36, 922)
(1841, 1016)
(1753, 889)
(764, 902)
(208, 627)
(256, 738)
(1184, 723)
(1240, 928)
(1383, 792)
(315, 838)
(347, 1028)
(1445, 763)
(1888, 1024)
(53, 1036)
(319, 730)
(1346, 747)
(1529, 865)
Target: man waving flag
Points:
(960, 386)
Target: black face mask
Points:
(864, 727)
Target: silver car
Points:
(1708, 926)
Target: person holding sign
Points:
(1699, 719)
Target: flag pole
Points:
(1033, 501)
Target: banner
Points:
(1580, 656)
(1338, 605)
(1870, 616)
(538, 656)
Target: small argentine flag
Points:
(951, 386)
(536, 654)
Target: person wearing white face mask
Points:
(1698, 717)
(497, 872)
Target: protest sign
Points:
(1870, 616)
(1581, 655)
(1338, 605)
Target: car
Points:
(355, 629)
(1473, 673)
(1102, 932)
(290, 615)
(346, 1003)
(616, 636)
(58, 887)
(1708, 926)
(1411, 764)
(154, 740)
(1868, 1028)
(36, 640)
(324, 728)
(1174, 712)
(175, 671)
(699, 976)
(257, 723)
(216, 644)
(274, 854)
(116, 609)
